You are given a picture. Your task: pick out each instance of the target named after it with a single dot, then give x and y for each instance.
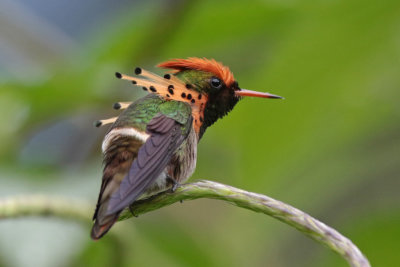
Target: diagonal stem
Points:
(258, 203)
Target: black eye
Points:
(216, 83)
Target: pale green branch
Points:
(258, 203)
(81, 211)
(41, 205)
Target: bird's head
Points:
(207, 85)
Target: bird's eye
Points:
(216, 83)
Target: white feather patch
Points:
(123, 132)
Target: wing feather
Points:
(154, 155)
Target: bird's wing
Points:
(166, 135)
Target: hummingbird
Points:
(152, 145)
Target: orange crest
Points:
(201, 64)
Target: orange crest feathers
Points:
(202, 64)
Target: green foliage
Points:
(330, 148)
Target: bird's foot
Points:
(175, 184)
(131, 210)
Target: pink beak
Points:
(245, 92)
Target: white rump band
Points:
(123, 132)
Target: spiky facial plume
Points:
(206, 85)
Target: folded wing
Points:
(166, 135)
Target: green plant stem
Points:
(80, 210)
(258, 203)
(41, 205)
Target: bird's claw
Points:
(175, 184)
(131, 210)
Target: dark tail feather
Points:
(99, 230)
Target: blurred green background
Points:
(331, 148)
